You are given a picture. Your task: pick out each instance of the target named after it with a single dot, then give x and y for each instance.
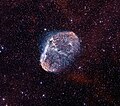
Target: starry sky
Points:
(93, 79)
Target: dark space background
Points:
(95, 78)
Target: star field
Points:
(92, 80)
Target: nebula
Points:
(60, 51)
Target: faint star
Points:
(85, 7)
(100, 21)
(84, 104)
(22, 92)
(41, 82)
(71, 20)
(103, 50)
(2, 47)
(79, 67)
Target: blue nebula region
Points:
(58, 50)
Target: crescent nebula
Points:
(60, 51)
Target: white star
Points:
(41, 82)
(22, 92)
(43, 95)
(2, 47)
(45, 29)
(3, 99)
(71, 20)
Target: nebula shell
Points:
(60, 51)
